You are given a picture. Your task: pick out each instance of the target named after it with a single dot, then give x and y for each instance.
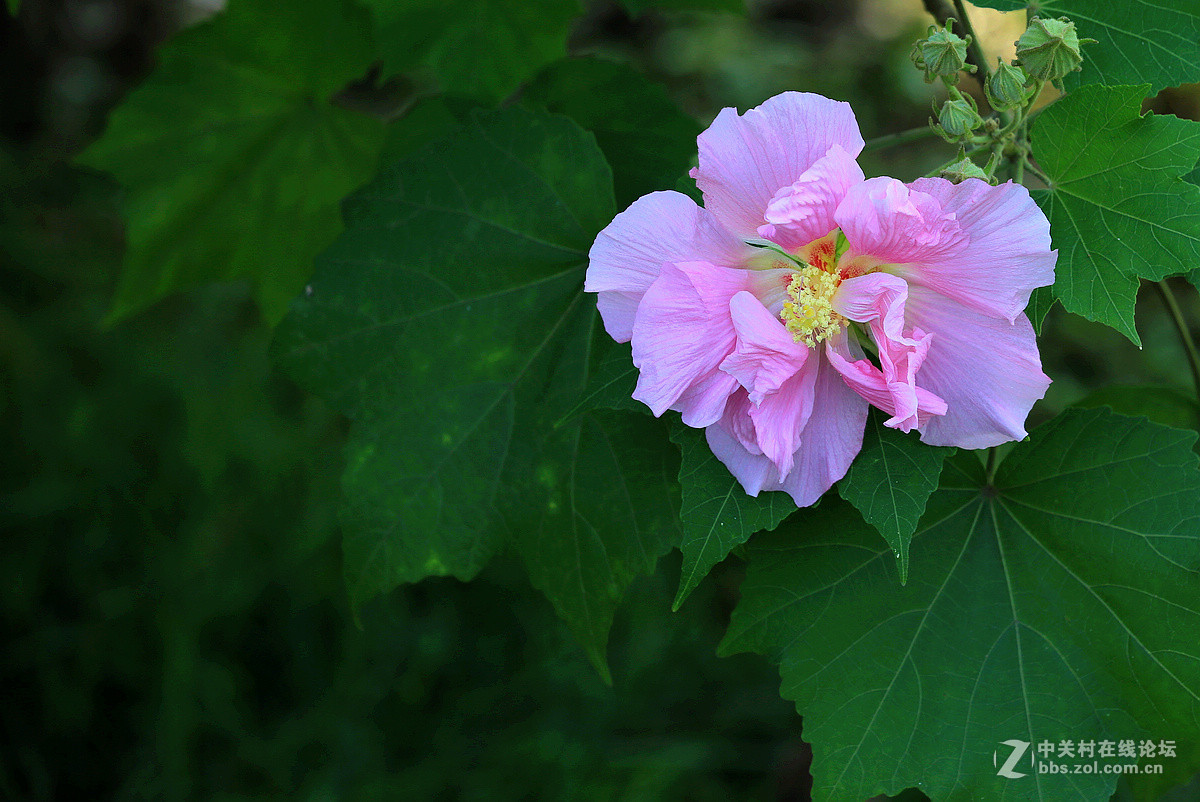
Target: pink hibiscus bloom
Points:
(754, 315)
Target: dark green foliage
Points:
(450, 323)
(1058, 600)
(232, 155)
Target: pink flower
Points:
(754, 315)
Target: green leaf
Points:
(14, 6)
(450, 323)
(1140, 41)
(890, 482)
(716, 514)
(1041, 301)
(1169, 406)
(427, 120)
(646, 138)
(484, 49)
(1058, 604)
(232, 158)
(1118, 208)
(612, 379)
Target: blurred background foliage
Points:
(171, 603)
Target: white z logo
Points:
(1018, 751)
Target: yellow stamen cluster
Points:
(808, 313)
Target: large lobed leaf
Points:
(449, 321)
(1117, 204)
(1138, 41)
(232, 158)
(1059, 603)
(480, 48)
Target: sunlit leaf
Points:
(1118, 208)
(1138, 41)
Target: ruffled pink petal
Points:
(878, 299)
(803, 211)
(753, 471)
(1010, 247)
(681, 334)
(765, 355)
(629, 253)
(780, 418)
(745, 159)
(910, 406)
(882, 217)
(986, 369)
(830, 440)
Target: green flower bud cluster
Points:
(942, 54)
(1049, 49)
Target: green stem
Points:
(900, 138)
(1185, 333)
(990, 469)
(1045, 179)
(974, 51)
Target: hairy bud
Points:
(941, 54)
(1008, 87)
(958, 118)
(1049, 48)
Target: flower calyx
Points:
(942, 54)
(1008, 87)
(1050, 48)
(958, 118)
(958, 171)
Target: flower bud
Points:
(1008, 87)
(1049, 48)
(958, 118)
(941, 54)
(962, 169)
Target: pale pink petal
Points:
(803, 211)
(831, 439)
(617, 310)
(745, 159)
(1010, 247)
(753, 471)
(878, 299)
(681, 334)
(629, 253)
(704, 402)
(765, 355)
(780, 418)
(736, 420)
(882, 217)
(910, 406)
(986, 369)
